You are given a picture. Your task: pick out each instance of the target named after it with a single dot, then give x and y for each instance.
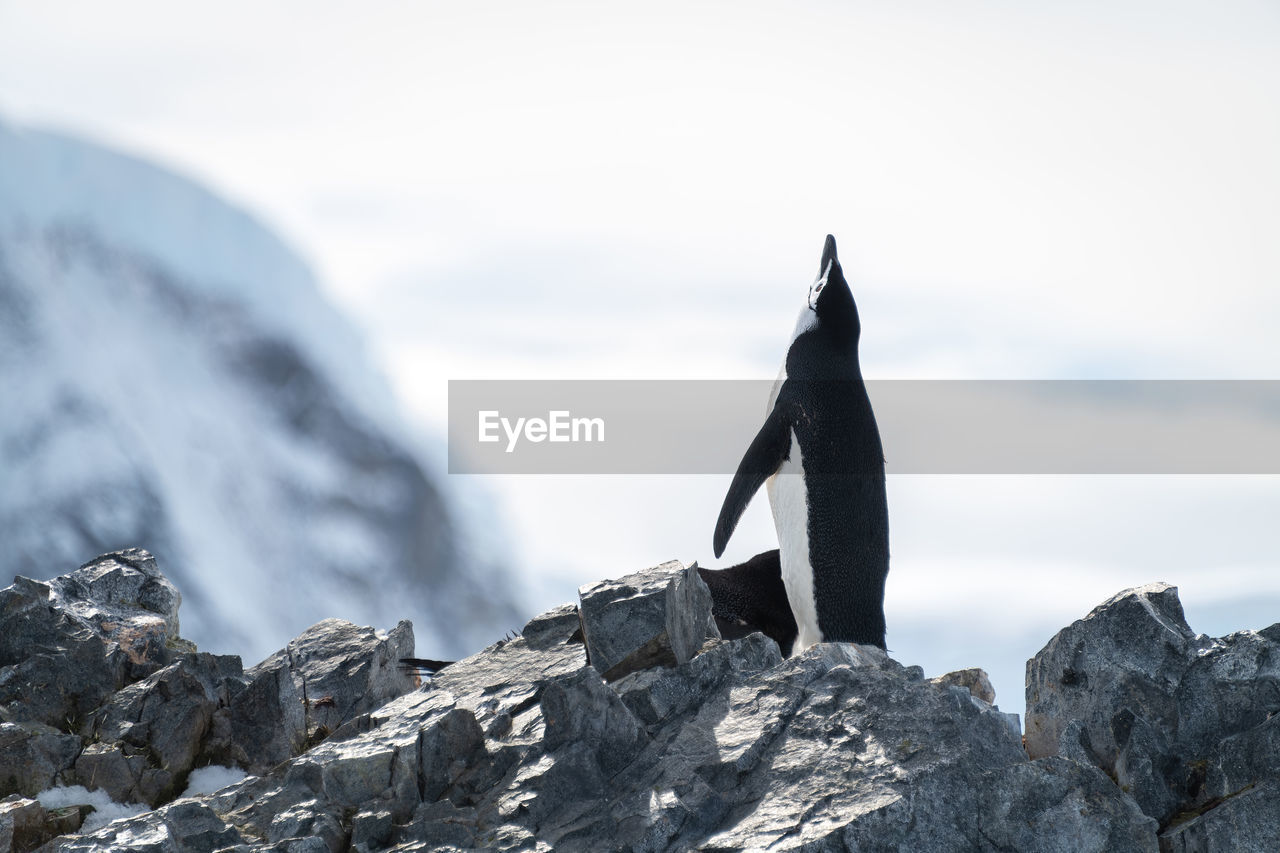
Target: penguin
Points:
(424, 666)
(751, 597)
(819, 456)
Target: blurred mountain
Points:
(172, 378)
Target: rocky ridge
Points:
(625, 722)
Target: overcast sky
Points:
(1030, 190)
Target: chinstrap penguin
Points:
(751, 597)
(819, 455)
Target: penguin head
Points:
(829, 298)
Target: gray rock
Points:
(33, 757)
(1105, 689)
(453, 760)
(345, 670)
(1232, 685)
(1247, 821)
(306, 820)
(197, 828)
(524, 746)
(23, 824)
(83, 636)
(653, 695)
(1047, 806)
(437, 826)
(186, 826)
(1039, 805)
(659, 617)
(371, 830)
(1129, 652)
(806, 753)
(126, 582)
(555, 626)
(162, 721)
(1145, 767)
(1238, 761)
(124, 772)
(581, 711)
(974, 680)
(737, 748)
(105, 767)
(710, 744)
(264, 724)
(141, 709)
(333, 673)
(1178, 720)
(507, 678)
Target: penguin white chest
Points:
(789, 500)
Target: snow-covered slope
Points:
(171, 377)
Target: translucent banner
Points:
(926, 426)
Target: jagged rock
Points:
(108, 767)
(836, 745)
(437, 826)
(658, 617)
(1247, 820)
(264, 724)
(1144, 765)
(1238, 761)
(1232, 685)
(453, 760)
(1130, 651)
(197, 828)
(128, 582)
(186, 826)
(974, 680)
(304, 821)
(527, 746)
(371, 830)
(581, 712)
(1038, 806)
(33, 756)
(804, 754)
(345, 670)
(505, 680)
(83, 636)
(330, 675)
(655, 694)
(1117, 673)
(554, 626)
(140, 709)
(159, 724)
(23, 824)
(1180, 721)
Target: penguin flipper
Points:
(762, 460)
(424, 666)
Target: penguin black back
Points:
(751, 597)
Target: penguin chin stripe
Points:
(815, 289)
